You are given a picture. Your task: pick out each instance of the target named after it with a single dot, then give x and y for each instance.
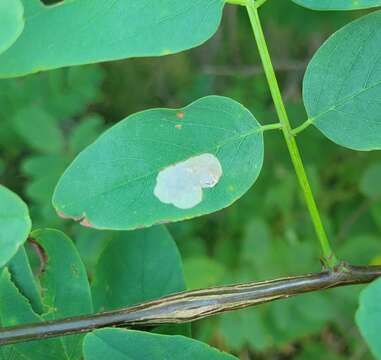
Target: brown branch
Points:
(193, 305)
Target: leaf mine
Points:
(181, 184)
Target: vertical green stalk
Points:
(329, 257)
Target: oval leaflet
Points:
(15, 224)
(335, 5)
(63, 34)
(342, 85)
(148, 170)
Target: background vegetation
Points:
(46, 119)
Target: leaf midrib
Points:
(344, 101)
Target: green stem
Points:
(256, 3)
(302, 127)
(236, 2)
(276, 126)
(329, 257)
(259, 3)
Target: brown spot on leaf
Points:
(85, 222)
(180, 115)
(178, 126)
(61, 214)
(68, 217)
(40, 251)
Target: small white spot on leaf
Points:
(181, 184)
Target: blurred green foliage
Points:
(46, 119)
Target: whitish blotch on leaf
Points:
(181, 184)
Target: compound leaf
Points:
(121, 344)
(89, 31)
(342, 85)
(164, 165)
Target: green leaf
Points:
(371, 180)
(44, 170)
(90, 244)
(63, 94)
(66, 287)
(164, 165)
(11, 22)
(15, 224)
(148, 265)
(39, 130)
(88, 31)
(119, 344)
(38, 165)
(375, 211)
(15, 309)
(66, 293)
(85, 133)
(313, 350)
(360, 249)
(202, 271)
(368, 316)
(253, 330)
(342, 85)
(2, 165)
(24, 279)
(300, 317)
(174, 329)
(338, 4)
